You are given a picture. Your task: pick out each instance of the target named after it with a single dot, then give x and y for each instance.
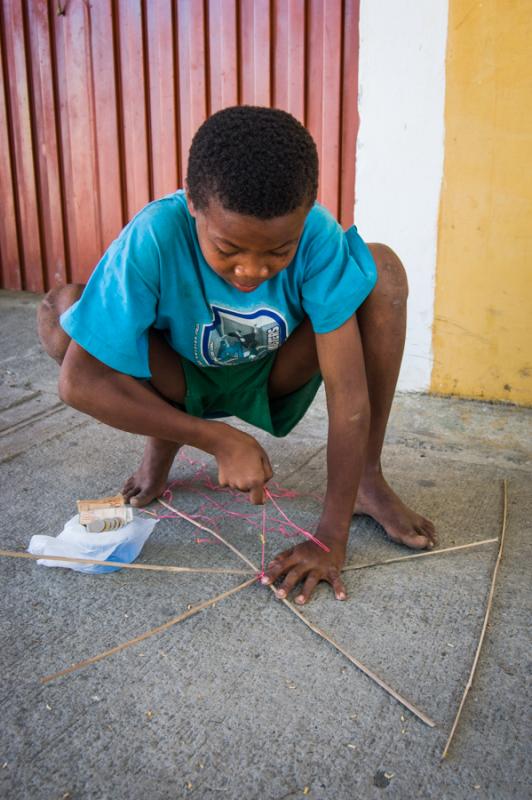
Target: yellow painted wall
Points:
(482, 336)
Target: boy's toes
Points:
(428, 529)
(128, 485)
(128, 489)
(423, 536)
(416, 539)
(142, 498)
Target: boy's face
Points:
(246, 251)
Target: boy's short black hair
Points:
(256, 161)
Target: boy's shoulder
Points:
(169, 209)
(159, 227)
(320, 219)
(321, 230)
(322, 235)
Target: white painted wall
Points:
(400, 152)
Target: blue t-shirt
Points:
(154, 275)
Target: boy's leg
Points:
(382, 323)
(149, 480)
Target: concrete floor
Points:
(243, 701)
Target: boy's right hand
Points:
(242, 462)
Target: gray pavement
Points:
(243, 701)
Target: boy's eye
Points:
(228, 253)
(225, 252)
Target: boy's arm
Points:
(123, 402)
(342, 366)
(341, 362)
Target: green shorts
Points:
(241, 390)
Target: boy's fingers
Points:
(278, 567)
(291, 580)
(268, 471)
(256, 494)
(338, 587)
(221, 478)
(308, 587)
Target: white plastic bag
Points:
(74, 541)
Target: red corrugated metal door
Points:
(99, 102)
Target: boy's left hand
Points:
(308, 564)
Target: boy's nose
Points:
(251, 272)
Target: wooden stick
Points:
(221, 570)
(438, 552)
(418, 713)
(155, 567)
(159, 629)
(374, 677)
(485, 623)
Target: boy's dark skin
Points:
(359, 363)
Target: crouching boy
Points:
(239, 296)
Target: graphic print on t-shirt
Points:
(234, 337)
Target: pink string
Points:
(263, 541)
(265, 523)
(293, 524)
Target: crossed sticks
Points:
(253, 569)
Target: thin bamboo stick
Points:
(159, 629)
(425, 553)
(222, 570)
(372, 675)
(484, 624)
(122, 565)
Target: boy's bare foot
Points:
(150, 480)
(403, 525)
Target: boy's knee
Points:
(55, 302)
(58, 299)
(392, 280)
